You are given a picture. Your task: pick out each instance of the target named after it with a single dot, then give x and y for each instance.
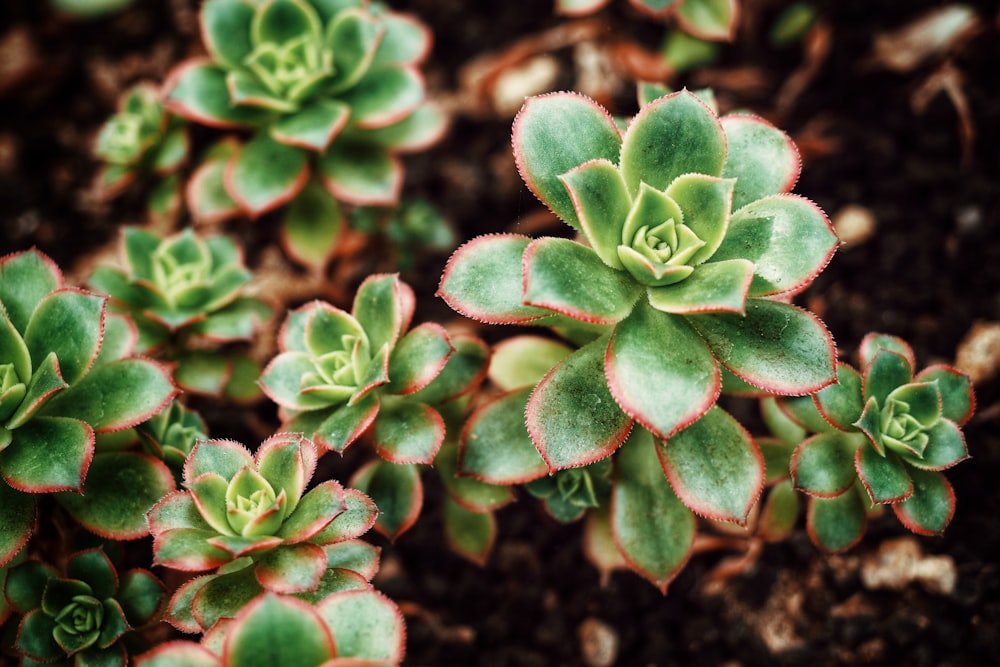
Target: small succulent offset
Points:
(339, 374)
(185, 293)
(705, 19)
(327, 86)
(83, 616)
(882, 437)
(356, 627)
(141, 139)
(66, 377)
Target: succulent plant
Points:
(171, 434)
(706, 19)
(357, 627)
(185, 293)
(882, 437)
(327, 86)
(339, 374)
(141, 140)
(68, 375)
(81, 616)
(250, 518)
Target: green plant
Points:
(83, 616)
(185, 293)
(882, 437)
(142, 139)
(67, 379)
(250, 518)
(358, 627)
(331, 89)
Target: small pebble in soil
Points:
(979, 352)
(900, 562)
(598, 643)
(854, 225)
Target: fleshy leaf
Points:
(763, 159)
(365, 625)
(788, 238)
(311, 226)
(571, 416)
(206, 196)
(225, 29)
(69, 323)
(823, 465)
(780, 511)
(355, 555)
(361, 173)
(884, 477)
(958, 401)
(715, 467)
(397, 492)
(188, 550)
(715, 287)
(266, 174)
(17, 516)
(121, 488)
(222, 457)
(664, 389)
(141, 596)
(836, 524)
(277, 630)
(346, 424)
(353, 36)
(407, 40)
(49, 454)
(775, 346)
(653, 529)
(566, 277)
(873, 342)
(945, 447)
(929, 510)
(674, 135)
(887, 371)
(383, 305)
(841, 403)
(198, 92)
(408, 432)
(318, 508)
(524, 360)
(705, 202)
(178, 652)
(555, 133)
(418, 358)
(312, 127)
(461, 375)
(495, 446)
(708, 19)
(385, 97)
(602, 203)
(116, 395)
(355, 521)
(294, 568)
(470, 534)
(482, 280)
(472, 494)
(25, 278)
(93, 567)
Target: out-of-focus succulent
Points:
(705, 19)
(66, 376)
(82, 616)
(185, 294)
(172, 434)
(882, 437)
(333, 87)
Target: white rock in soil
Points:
(854, 225)
(598, 643)
(900, 562)
(979, 352)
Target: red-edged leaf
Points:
(264, 174)
(823, 465)
(763, 159)
(495, 446)
(408, 432)
(418, 358)
(571, 416)
(469, 534)
(397, 492)
(294, 568)
(836, 524)
(929, 509)
(365, 625)
(884, 477)
(49, 454)
(278, 630)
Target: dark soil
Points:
(929, 272)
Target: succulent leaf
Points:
(837, 523)
(495, 446)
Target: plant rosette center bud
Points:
(901, 430)
(656, 245)
(289, 70)
(83, 616)
(252, 507)
(181, 279)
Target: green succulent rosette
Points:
(67, 376)
(327, 87)
(881, 436)
(142, 138)
(356, 627)
(83, 616)
(691, 247)
(251, 519)
(705, 19)
(339, 375)
(185, 294)
(171, 435)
